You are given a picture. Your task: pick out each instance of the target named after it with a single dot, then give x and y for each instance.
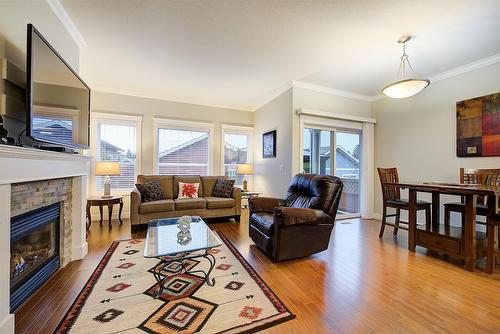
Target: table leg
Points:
(89, 217)
(435, 210)
(100, 211)
(120, 212)
(470, 231)
(412, 219)
(110, 212)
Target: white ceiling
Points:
(238, 53)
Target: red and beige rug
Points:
(119, 297)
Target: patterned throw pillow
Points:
(223, 188)
(151, 191)
(188, 190)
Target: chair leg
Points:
(382, 226)
(447, 214)
(396, 222)
(490, 257)
(428, 219)
(498, 245)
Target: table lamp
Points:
(107, 168)
(245, 169)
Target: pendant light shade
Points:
(406, 86)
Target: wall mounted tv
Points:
(57, 99)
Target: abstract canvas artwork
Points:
(478, 126)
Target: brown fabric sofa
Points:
(299, 225)
(205, 206)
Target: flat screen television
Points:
(57, 99)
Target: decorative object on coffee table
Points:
(478, 126)
(245, 169)
(104, 201)
(269, 144)
(107, 168)
(240, 301)
(160, 245)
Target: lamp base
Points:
(245, 185)
(107, 187)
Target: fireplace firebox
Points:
(34, 251)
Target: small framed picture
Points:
(269, 144)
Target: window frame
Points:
(237, 130)
(114, 119)
(173, 124)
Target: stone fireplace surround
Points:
(29, 179)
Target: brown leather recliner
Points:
(300, 224)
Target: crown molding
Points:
(67, 22)
(466, 68)
(332, 91)
(275, 94)
(170, 99)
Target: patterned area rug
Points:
(119, 296)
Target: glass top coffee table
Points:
(173, 247)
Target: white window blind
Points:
(117, 142)
(183, 151)
(236, 151)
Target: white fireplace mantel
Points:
(20, 164)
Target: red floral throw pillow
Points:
(188, 190)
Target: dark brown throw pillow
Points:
(223, 188)
(151, 191)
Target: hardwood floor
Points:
(361, 284)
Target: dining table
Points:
(464, 242)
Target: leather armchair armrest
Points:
(264, 204)
(236, 195)
(135, 202)
(294, 216)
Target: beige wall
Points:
(151, 108)
(272, 175)
(418, 134)
(15, 15)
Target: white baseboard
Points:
(80, 252)
(376, 215)
(7, 325)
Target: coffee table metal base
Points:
(181, 259)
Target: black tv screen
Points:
(57, 99)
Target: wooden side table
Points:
(100, 202)
(247, 195)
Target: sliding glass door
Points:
(330, 151)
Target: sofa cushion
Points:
(208, 183)
(187, 179)
(190, 203)
(166, 183)
(223, 188)
(188, 190)
(157, 206)
(263, 222)
(219, 202)
(151, 191)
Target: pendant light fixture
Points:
(406, 86)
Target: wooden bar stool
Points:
(391, 197)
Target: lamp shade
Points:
(104, 168)
(405, 88)
(244, 169)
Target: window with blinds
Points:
(117, 142)
(236, 151)
(183, 152)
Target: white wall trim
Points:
(274, 95)
(326, 114)
(466, 68)
(332, 91)
(67, 22)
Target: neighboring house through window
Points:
(182, 148)
(117, 138)
(237, 149)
